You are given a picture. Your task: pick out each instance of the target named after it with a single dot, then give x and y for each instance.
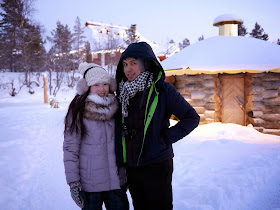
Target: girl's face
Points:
(102, 89)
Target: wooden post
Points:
(46, 100)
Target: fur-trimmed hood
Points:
(100, 108)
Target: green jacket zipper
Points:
(148, 118)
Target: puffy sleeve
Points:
(177, 105)
(71, 150)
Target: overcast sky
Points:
(162, 20)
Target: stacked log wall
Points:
(262, 98)
(202, 92)
(263, 102)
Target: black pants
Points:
(151, 186)
(113, 200)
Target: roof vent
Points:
(228, 24)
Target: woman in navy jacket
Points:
(143, 136)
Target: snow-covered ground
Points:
(218, 166)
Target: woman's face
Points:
(131, 68)
(102, 89)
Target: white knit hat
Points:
(93, 74)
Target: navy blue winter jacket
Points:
(157, 143)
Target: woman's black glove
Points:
(77, 193)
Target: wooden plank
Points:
(232, 98)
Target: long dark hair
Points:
(74, 117)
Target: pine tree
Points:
(87, 52)
(242, 31)
(19, 37)
(132, 37)
(61, 38)
(171, 47)
(36, 50)
(201, 38)
(171, 41)
(12, 23)
(185, 43)
(33, 52)
(259, 33)
(78, 41)
(78, 37)
(60, 57)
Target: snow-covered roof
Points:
(105, 25)
(225, 54)
(98, 38)
(227, 18)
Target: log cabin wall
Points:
(201, 91)
(263, 102)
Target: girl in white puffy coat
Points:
(89, 149)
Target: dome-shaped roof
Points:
(227, 18)
(226, 54)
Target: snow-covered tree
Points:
(78, 42)
(78, 37)
(242, 30)
(259, 33)
(132, 37)
(171, 47)
(186, 42)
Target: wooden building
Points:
(109, 41)
(230, 79)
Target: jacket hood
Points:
(145, 52)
